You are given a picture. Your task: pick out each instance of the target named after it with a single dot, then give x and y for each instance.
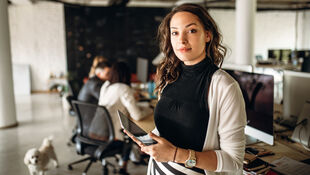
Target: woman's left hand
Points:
(162, 151)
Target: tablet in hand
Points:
(134, 129)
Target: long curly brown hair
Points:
(169, 68)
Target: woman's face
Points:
(104, 73)
(188, 37)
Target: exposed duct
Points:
(262, 5)
(22, 1)
(118, 3)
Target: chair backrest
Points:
(94, 121)
(74, 88)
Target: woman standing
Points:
(200, 116)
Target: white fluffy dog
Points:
(38, 159)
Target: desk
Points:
(280, 148)
(147, 124)
(281, 67)
(283, 148)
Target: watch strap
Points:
(191, 161)
(192, 154)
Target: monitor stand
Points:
(250, 140)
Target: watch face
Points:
(191, 163)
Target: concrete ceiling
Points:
(213, 4)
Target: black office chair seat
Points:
(94, 119)
(106, 150)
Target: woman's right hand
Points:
(162, 151)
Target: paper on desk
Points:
(289, 166)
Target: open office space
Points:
(47, 48)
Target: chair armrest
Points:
(79, 147)
(91, 141)
(100, 150)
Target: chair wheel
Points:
(70, 167)
(105, 171)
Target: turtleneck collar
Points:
(199, 67)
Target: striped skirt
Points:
(171, 168)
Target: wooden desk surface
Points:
(283, 148)
(147, 124)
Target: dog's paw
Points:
(56, 164)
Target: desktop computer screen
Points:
(257, 90)
(274, 54)
(280, 55)
(286, 56)
(142, 69)
(296, 91)
(305, 54)
(305, 67)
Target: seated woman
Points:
(91, 89)
(116, 94)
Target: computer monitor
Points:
(296, 91)
(142, 69)
(257, 90)
(305, 67)
(280, 55)
(305, 54)
(274, 54)
(286, 56)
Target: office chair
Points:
(95, 136)
(73, 94)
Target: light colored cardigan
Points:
(119, 96)
(225, 133)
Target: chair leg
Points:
(88, 166)
(105, 170)
(78, 161)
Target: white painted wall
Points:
(225, 20)
(38, 36)
(305, 30)
(21, 79)
(274, 29)
(38, 39)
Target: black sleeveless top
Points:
(181, 115)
